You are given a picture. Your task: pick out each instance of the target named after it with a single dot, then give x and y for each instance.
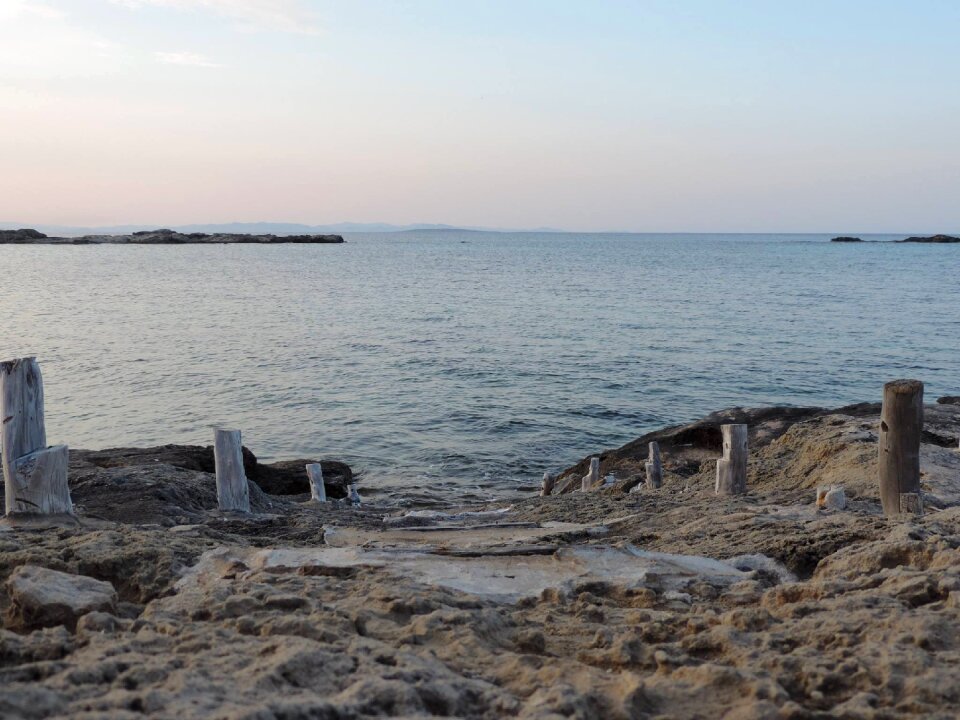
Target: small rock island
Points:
(27, 236)
(933, 239)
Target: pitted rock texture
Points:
(40, 597)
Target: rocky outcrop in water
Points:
(23, 236)
(932, 239)
(784, 444)
(173, 484)
(160, 237)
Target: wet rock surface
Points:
(297, 611)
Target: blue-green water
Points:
(470, 362)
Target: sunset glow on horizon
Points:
(648, 116)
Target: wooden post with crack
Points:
(318, 492)
(732, 467)
(35, 476)
(232, 491)
(654, 467)
(901, 424)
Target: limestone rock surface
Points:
(41, 597)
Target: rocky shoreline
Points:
(27, 236)
(624, 602)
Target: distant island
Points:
(27, 236)
(933, 239)
(916, 239)
(261, 228)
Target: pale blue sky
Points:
(647, 116)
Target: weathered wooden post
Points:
(546, 487)
(654, 466)
(352, 495)
(901, 422)
(591, 479)
(315, 474)
(35, 476)
(232, 490)
(732, 467)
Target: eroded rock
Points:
(40, 597)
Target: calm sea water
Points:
(461, 364)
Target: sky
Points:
(648, 116)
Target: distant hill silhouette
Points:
(254, 228)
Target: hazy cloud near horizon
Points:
(283, 15)
(186, 58)
(648, 116)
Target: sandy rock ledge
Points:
(662, 603)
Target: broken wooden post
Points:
(901, 423)
(591, 479)
(232, 490)
(35, 476)
(315, 474)
(546, 487)
(732, 467)
(654, 467)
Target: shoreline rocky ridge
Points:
(624, 602)
(26, 236)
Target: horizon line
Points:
(388, 228)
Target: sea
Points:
(460, 366)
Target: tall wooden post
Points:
(901, 423)
(732, 467)
(546, 487)
(654, 466)
(317, 490)
(35, 476)
(232, 490)
(592, 478)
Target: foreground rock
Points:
(663, 603)
(874, 632)
(40, 598)
(159, 237)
